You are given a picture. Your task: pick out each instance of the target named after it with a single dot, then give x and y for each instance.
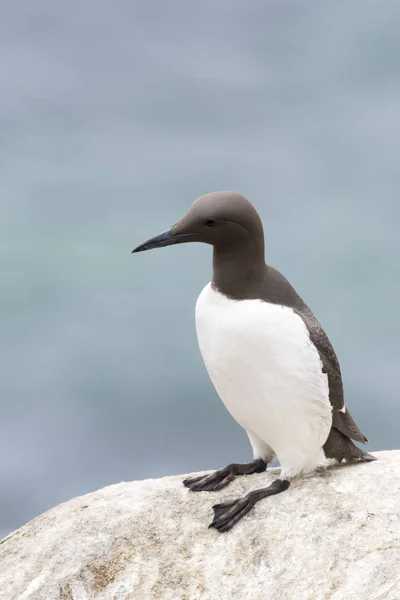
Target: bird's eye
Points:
(210, 222)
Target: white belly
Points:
(268, 374)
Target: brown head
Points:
(228, 222)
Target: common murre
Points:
(268, 357)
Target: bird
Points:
(267, 355)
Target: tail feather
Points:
(340, 447)
(355, 453)
(344, 422)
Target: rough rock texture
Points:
(333, 535)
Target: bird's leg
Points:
(229, 513)
(219, 479)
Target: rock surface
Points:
(332, 535)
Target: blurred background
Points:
(114, 117)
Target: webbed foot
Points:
(219, 479)
(227, 514)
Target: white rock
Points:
(333, 535)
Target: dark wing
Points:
(277, 289)
(341, 418)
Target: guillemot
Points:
(268, 357)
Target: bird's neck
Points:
(239, 270)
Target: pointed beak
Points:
(166, 238)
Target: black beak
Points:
(166, 238)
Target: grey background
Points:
(114, 117)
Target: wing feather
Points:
(341, 417)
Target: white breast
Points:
(268, 374)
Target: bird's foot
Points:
(219, 479)
(227, 514)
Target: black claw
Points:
(191, 480)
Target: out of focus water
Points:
(114, 117)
